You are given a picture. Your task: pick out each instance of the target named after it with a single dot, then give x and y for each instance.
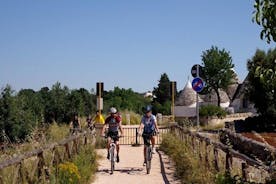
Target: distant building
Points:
(185, 105)
(234, 97)
(240, 101)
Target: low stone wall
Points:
(215, 121)
(249, 147)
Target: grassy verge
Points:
(86, 162)
(81, 169)
(188, 168)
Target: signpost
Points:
(198, 85)
(173, 87)
(197, 71)
(100, 88)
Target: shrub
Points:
(86, 161)
(212, 110)
(188, 168)
(135, 118)
(68, 173)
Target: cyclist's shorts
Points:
(113, 135)
(147, 137)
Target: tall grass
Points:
(188, 168)
(81, 169)
(85, 161)
(135, 119)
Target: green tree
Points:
(162, 92)
(262, 82)
(162, 102)
(17, 119)
(265, 16)
(58, 99)
(124, 99)
(217, 69)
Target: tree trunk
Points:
(218, 96)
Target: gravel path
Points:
(130, 169)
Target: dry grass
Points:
(86, 160)
(188, 168)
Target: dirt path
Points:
(130, 169)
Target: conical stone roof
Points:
(187, 96)
(212, 97)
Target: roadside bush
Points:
(135, 119)
(212, 110)
(188, 168)
(68, 173)
(80, 169)
(86, 161)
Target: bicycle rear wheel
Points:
(148, 159)
(112, 160)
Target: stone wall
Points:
(249, 147)
(215, 121)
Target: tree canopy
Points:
(162, 102)
(265, 16)
(26, 110)
(217, 69)
(262, 81)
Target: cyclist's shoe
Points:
(118, 158)
(108, 156)
(145, 163)
(153, 151)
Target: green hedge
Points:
(212, 110)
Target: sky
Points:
(125, 43)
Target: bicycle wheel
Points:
(148, 159)
(112, 161)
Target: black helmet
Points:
(148, 108)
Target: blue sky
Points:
(126, 43)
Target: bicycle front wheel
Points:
(112, 160)
(148, 159)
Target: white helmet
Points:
(113, 110)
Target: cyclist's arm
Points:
(71, 125)
(156, 126)
(121, 129)
(141, 127)
(103, 130)
(79, 124)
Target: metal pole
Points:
(197, 99)
(136, 136)
(173, 88)
(197, 111)
(99, 97)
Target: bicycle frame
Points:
(112, 153)
(148, 155)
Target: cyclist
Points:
(98, 119)
(150, 128)
(114, 124)
(75, 124)
(89, 122)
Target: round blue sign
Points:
(198, 84)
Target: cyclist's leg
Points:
(108, 143)
(145, 146)
(153, 138)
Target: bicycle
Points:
(148, 157)
(112, 152)
(75, 131)
(148, 152)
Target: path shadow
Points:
(125, 170)
(163, 172)
(130, 170)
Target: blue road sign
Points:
(198, 84)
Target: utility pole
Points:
(173, 85)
